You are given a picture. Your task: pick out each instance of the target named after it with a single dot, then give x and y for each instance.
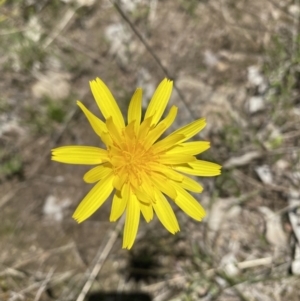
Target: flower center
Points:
(130, 160)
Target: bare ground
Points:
(234, 63)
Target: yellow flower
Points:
(141, 170)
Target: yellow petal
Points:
(200, 168)
(146, 188)
(190, 148)
(190, 129)
(162, 184)
(132, 222)
(175, 159)
(155, 133)
(97, 173)
(188, 203)
(166, 171)
(105, 137)
(113, 130)
(135, 107)
(106, 102)
(145, 127)
(167, 143)
(119, 180)
(94, 199)
(170, 117)
(143, 196)
(165, 213)
(159, 100)
(118, 205)
(130, 132)
(98, 125)
(190, 184)
(147, 211)
(87, 155)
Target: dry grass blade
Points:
(100, 258)
(43, 285)
(242, 160)
(254, 263)
(60, 27)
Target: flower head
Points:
(139, 168)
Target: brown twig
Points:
(153, 54)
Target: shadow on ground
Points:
(112, 296)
